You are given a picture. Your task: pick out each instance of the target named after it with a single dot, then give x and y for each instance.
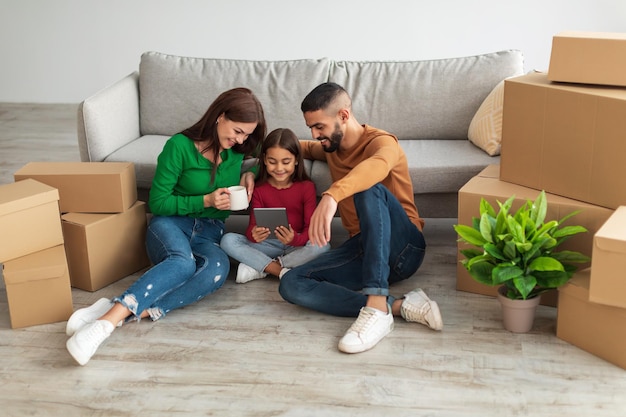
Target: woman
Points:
(190, 201)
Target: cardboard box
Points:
(485, 185)
(566, 139)
(596, 328)
(608, 265)
(38, 288)
(29, 219)
(87, 187)
(588, 57)
(104, 248)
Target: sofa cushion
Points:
(435, 166)
(485, 129)
(144, 152)
(432, 99)
(176, 91)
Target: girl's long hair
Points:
(285, 139)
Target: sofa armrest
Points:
(109, 119)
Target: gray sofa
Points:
(428, 105)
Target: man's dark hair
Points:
(321, 97)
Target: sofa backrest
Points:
(176, 91)
(433, 99)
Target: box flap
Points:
(85, 219)
(24, 194)
(578, 285)
(71, 168)
(490, 171)
(611, 237)
(45, 264)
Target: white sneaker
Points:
(87, 315)
(246, 273)
(417, 307)
(283, 272)
(368, 329)
(87, 340)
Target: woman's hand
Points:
(220, 199)
(259, 234)
(247, 180)
(285, 234)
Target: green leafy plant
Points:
(518, 250)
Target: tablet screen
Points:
(271, 218)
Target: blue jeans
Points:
(389, 249)
(188, 265)
(260, 255)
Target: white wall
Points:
(65, 50)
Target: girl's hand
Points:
(220, 199)
(285, 234)
(259, 234)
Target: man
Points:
(373, 192)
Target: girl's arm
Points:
(309, 202)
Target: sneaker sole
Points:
(434, 308)
(364, 347)
(75, 352)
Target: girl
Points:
(189, 200)
(282, 182)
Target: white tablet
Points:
(271, 218)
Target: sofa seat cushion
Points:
(144, 152)
(435, 166)
(176, 91)
(444, 166)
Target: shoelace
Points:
(96, 333)
(364, 321)
(417, 314)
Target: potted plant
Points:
(517, 252)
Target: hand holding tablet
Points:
(271, 218)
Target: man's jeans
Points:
(389, 249)
(188, 265)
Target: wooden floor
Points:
(245, 352)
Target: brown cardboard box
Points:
(87, 187)
(596, 328)
(103, 248)
(29, 219)
(588, 57)
(38, 288)
(608, 265)
(492, 189)
(566, 139)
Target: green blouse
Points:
(183, 177)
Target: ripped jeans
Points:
(188, 264)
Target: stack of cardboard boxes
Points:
(97, 220)
(565, 132)
(32, 255)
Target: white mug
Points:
(238, 197)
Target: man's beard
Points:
(334, 140)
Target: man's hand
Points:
(319, 229)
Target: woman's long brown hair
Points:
(239, 105)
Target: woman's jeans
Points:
(389, 249)
(260, 255)
(188, 265)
